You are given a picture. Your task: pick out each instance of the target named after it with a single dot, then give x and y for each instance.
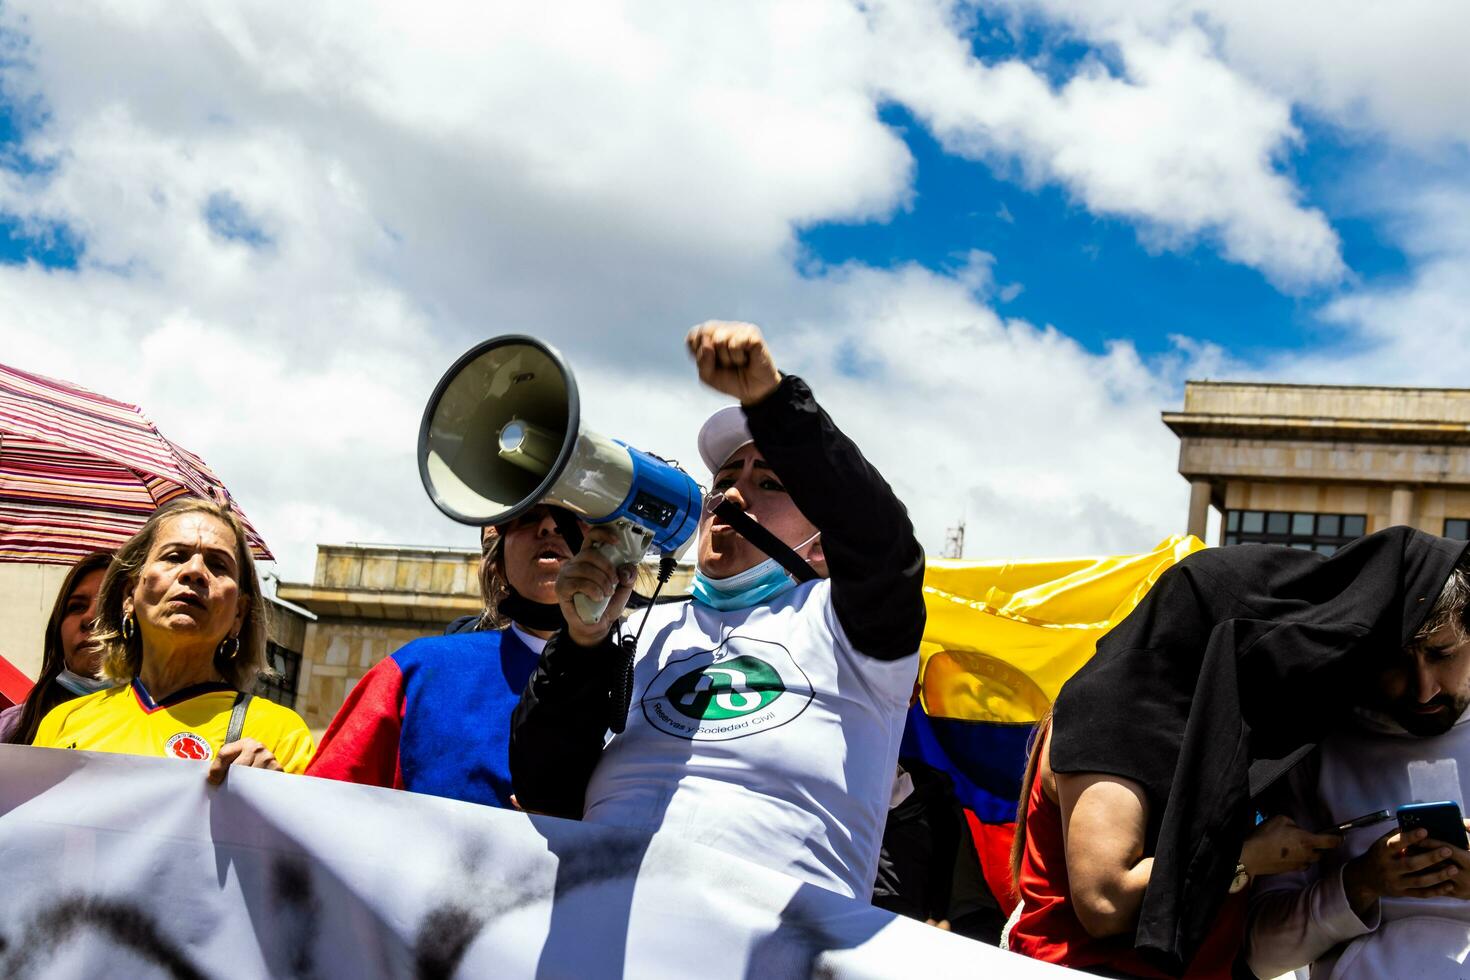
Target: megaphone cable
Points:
(621, 696)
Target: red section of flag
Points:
(993, 844)
(14, 685)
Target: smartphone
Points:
(1442, 820)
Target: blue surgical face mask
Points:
(759, 583)
(79, 685)
(751, 587)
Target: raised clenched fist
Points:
(733, 358)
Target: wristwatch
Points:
(1241, 879)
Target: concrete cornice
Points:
(408, 607)
(1409, 431)
(1280, 386)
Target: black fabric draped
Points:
(1236, 657)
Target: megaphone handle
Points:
(589, 610)
(632, 544)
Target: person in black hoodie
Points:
(1233, 666)
(928, 868)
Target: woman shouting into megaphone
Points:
(434, 716)
(766, 711)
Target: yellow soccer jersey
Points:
(189, 725)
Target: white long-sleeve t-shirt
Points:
(1303, 918)
(761, 732)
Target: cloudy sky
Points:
(995, 237)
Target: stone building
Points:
(363, 603)
(1315, 466)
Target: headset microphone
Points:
(502, 433)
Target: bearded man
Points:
(1386, 904)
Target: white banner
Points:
(125, 866)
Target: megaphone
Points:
(502, 433)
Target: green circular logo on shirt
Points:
(727, 690)
(742, 687)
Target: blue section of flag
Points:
(985, 760)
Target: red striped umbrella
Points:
(81, 472)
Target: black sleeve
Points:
(559, 726)
(875, 563)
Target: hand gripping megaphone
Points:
(502, 433)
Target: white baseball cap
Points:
(721, 435)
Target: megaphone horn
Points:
(502, 433)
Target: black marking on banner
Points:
(446, 933)
(450, 927)
(124, 923)
(298, 914)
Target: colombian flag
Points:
(1002, 637)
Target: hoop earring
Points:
(228, 648)
(129, 628)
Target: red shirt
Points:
(1049, 930)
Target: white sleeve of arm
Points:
(1297, 917)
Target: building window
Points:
(280, 689)
(1457, 528)
(1324, 533)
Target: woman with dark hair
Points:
(181, 624)
(435, 716)
(69, 660)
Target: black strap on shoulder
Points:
(237, 717)
(765, 541)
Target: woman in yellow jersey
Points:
(181, 624)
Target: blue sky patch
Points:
(1090, 276)
(853, 363)
(1048, 48)
(48, 243)
(18, 119)
(229, 219)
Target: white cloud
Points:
(1179, 143)
(424, 181)
(1041, 446)
(1397, 69)
(1036, 442)
(1393, 78)
(604, 175)
(1413, 331)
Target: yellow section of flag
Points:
(1004, 636)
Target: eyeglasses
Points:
(530, 518)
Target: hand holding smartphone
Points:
(1442, 820)
(1394, 868)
